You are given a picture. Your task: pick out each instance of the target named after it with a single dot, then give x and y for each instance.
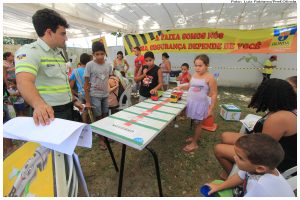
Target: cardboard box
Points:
(230, 112)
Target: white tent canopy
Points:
(88, 19)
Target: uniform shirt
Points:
(49, 68)
(268, 70)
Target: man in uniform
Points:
(268, 68)
(41, 69)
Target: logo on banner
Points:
(283, 37)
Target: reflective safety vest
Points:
(49, 67)
(267, 70)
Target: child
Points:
(257, 156)
(96, 84)
(184, 76)
(150, 76)
(201, 86)
(77, 77)
(166, 69)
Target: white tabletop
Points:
(139, 124)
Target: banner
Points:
(208, 40)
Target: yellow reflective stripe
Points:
(53, 87)
(55, 91)
(26, 65)
(46, 58)
(23, 69)
(53, 62)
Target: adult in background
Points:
(120, 63)
(41, 70)
(166, 69)
(268, 68)
(8, 69)
(278, 98)
(138, 63)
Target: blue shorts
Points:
(100, 105)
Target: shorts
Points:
(166, 78)
(100, 105)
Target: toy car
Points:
(155, 97)
(175, 97)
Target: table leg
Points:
(153, 153)
(121, 170)
(80, 174)
(111, 153)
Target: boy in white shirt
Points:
(257, 156)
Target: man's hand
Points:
(43, 114)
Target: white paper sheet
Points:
(61, 135)
(249, 121)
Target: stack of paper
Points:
(60, 135)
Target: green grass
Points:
(181, 173)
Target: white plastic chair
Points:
(127, 93)
(292, 180)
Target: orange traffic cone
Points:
(208, 124)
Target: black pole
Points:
(121, 170)
(111, 153)
(154, 155)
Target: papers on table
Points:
(250, 121)
(60, 135)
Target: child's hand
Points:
(153, 91)
(79, 105)
(88, 105)
(145, 71)
(177, 88)
(213, 188)
(116, 83)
